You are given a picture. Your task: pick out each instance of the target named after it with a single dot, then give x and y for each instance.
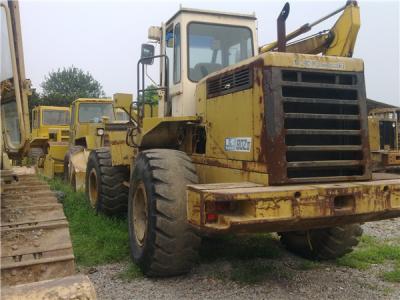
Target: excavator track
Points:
(36, 247)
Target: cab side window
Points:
(73, 115)
(35, 121)
(169, 51)
(177, 53)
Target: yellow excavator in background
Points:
(37, 260)
(337, 41)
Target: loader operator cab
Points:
(87, 121)
(50, 122)
(196, 43)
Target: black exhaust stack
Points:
(281, 23)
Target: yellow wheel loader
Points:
(37, 260)
(49, 140)
(249, 138)
(87, 163)
(384, 136)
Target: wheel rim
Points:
(93, 194)
(139, 214)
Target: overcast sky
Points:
(104, 37)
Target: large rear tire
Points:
(324, 243)
(105, 186)
(162, 242)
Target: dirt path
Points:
(287, 277)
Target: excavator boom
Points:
(15, 88)
(338, 41)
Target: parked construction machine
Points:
(37, 261)
(49, 139)
(248, 138)
(93, 124)
(57, 136)
(384, 136)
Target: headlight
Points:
(100, 131)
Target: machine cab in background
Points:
(51, 122)
(198, 43)
(87, 121)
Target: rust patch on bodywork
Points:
(247, 166)
(254, 207)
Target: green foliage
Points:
(63, 86)
(34, 100)
(392, 276)
(151, 96)
(96, 239)
(371, 251)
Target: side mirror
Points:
(147, 51)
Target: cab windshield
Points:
(93, 112)
(121, 115)
(213, 47)
(55, 117)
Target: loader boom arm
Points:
(338, 41)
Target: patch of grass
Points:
(371, 251)
(392, 276)
(233, 247)
(96, 239)
(131, 272)
(253, 271)
(306, 265)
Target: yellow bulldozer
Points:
(248, 138)
(37, 260)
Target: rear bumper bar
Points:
(249, 207)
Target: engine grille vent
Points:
(324, 122)
(233, 81)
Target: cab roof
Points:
(49, 107)
(93, 100)
(212, 12)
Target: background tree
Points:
(151, 96)
(61, 87)
(34, 100)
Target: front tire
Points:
(104, 183)
(324, 243)
(162, 242)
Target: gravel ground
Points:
(288, 281)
